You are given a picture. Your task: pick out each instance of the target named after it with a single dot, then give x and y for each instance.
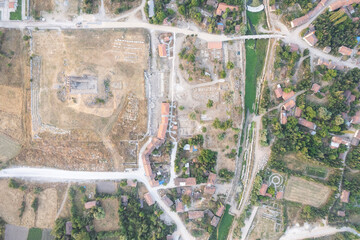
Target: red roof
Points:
(341, 3)
(211, 179)
(214, 45)
(289, 105)
(220, 211)
(279, 195)
(222, 8)
(311, 39)
(278, 92)
(179, 206)
(345, 51)
(162, 50)
(263, 189)
(196, 214)
(307, 123)
(287, 96)
(185, 181)
(345, 196)
(148, 198)
(315, 87)
(165, 108)
(90, 204)
(210, 190)
(283, 117)
(298, 112)
(12, 5)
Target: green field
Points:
(17, 14)
(255, 57)
(256, 18)
(35, 234)
(316, 171)
(224, 225)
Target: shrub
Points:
(35, 204)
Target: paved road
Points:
(57, 175)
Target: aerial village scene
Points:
(179, 120)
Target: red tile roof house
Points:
(336, 141)
(91, 204)
(286, 96)
(308, 124)
(315, 88)
(211, 179)
(311, 39)
(185, 182)
(220, 211)
(209, 190)
(149, 200)
(169, 237)
(196, 215)
(283, 117)
(278, 91)
(298, 112)
(301, 20)
(215, 221)
(179, 206)
(345, 51)
(263, 189)
(222, 8)
(341, 3)
(344, 196)
(356, 119)
(289, 105)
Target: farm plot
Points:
(306, 192)
(111, 220)
(8, 148)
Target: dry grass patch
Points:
(306, 192)
(111, 220)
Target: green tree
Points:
(230, 65)
(210, 103)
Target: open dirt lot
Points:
(111, 220)
(306, 192)
(112, 58)
(114, 7)
(86, 85)
(50, 199)
(12, 70)
(8, 148)
(39, 6)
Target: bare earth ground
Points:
(111, 6)
(118, 57)
(111, 220)
(195, 95)
(49, 201)
(59, 9)
(12, 70)
(306, 192)
(38, 6)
